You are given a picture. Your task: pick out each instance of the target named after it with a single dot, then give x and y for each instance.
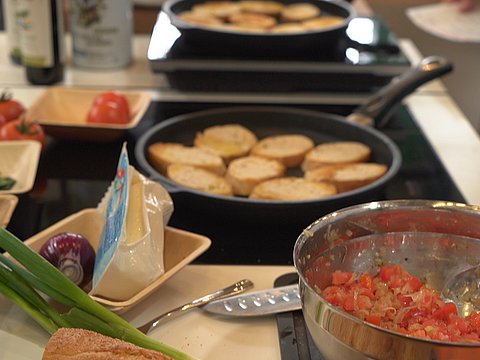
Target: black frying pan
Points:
(224, 40)
(321, 127)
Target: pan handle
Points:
(378, 107)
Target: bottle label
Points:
(35, 18)
(101, 33)
(12, 18)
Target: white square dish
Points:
(19, 160)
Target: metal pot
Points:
(412, 233)
(226, 41)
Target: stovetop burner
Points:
(366, 58)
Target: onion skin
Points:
(72, 254)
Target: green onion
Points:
(85, 312)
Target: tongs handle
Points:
(237, 288)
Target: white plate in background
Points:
(19, 160)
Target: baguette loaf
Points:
(230, 141)
(161, 155)
(245, 173)
(81, 344)
(348, 177)
(292, 188)
(199, 179)
(288, 149)
(336, 153)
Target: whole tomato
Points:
(3, 121)
(22, 129)
(9, 108)
(109, 107)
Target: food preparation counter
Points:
(455, 142)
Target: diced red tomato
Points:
(341, 277)
(400, 301)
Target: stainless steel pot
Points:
(433, 240)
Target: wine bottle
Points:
(101, 33)
(41, 38)
(10, 10)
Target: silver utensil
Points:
(264, 302)
(238, 287)
(464, 290)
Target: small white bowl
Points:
(19, 160)
(62, 112)
(7, 206)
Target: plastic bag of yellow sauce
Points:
(130, 254)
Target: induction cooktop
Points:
(364, 59)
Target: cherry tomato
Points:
(21, 129)
(115, 97)
(107, 112)
(109, 107)
(9, 108)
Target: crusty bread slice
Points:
(246, 172)
(292, 188)
(230, 141)
(300, 11)
(81, 344)
(349, 176)
(334, 153)
(161, 155)
(289, 149)
(199, 179)
(267, 7)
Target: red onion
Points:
(72, 254)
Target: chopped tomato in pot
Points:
(396, 300)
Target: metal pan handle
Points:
(378, 107)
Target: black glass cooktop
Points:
(366, 57)
(75, 175)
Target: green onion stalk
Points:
(25, 284)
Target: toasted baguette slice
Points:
(81, 344)
(220, 9)
(266, 7)
(245, 173)
(252, 21)
(199, 179)
(230, 141)
(161, 155)
(348, 177)
(292, 188)
(288, 149)
(335, 153)
(300, 11)
(322, 22)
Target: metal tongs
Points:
(237, 288)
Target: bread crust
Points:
(289, 149)
(161, 155)
(349, 176)
(81, 344)
(336, 153)
(199, 179)
(247, 172)
(291, 189)
(230, 141)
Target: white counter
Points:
(197, 333)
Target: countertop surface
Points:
(197, 333)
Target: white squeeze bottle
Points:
(101, 33)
